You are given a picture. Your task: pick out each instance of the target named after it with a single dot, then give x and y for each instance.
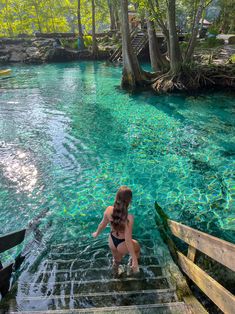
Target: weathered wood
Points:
(220, 250)
(10, 240)
(195, 306)
(217, 293)
(191, 253)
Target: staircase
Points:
(139, 39)
(80, 279)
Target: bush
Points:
(213, 30)
(232, 59)
(87, 40)
(213, 42)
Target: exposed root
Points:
(195, 78)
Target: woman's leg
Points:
(122, 248)
(117, 256)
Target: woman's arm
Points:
(129, 243)
(102, 225)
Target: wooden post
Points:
(191, 253)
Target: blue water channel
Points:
(69, 137)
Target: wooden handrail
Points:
(220, 250)
(224, 299)
(12, 239)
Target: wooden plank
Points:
(195, 306)
(10, 240)
(217, 293)
(220, 250)
(191, 253)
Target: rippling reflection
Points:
(72, 138)
(18, 168)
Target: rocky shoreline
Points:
(40, 50)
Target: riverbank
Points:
(41, 50)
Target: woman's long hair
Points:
(120, 208)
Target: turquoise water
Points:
(69, 137)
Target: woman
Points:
(120, 238)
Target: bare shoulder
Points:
(130, 218)
(109, 210)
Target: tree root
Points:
(196, 78)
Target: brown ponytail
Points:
(120, 208)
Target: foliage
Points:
(30, 16)
(214, 30)
(213, 42)
(232, 59)
(87, 40)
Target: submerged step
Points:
(94, 300)
(164, 308)
(84, 253)
(75, 287)
(102, 273)
(92, 263)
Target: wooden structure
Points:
(139, 40)
(217, 249)
(7, 242)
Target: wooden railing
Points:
(217, 249)
(7, 242)
(118, 52)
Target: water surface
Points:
(69, 137)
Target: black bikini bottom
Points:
(116, 241)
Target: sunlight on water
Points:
(70, 137)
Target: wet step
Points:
(96, 300)
(103, 273)
(92, 253)
(164, 308)
(74, 287)
(71, 264)
(73, 247)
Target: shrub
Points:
(232, 59)
(213, 42)
(213, 30)
(87, 40)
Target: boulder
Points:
(4, 59)
(17, 56)
(31, 51)
(231, 40)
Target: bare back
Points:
(120, 235)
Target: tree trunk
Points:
(132, 74)
(175, 53)
(157, 62)
(112, 16)
(94, 41)
(117, 18)
(80, 33)
(193, 39)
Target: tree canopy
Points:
(30, 16)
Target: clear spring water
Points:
(69, 137)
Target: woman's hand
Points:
(95, 234)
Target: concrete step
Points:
(147, 248)
(91, 286)
(71, 264)
(164, 308)
(103, 273)
(93, 300)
